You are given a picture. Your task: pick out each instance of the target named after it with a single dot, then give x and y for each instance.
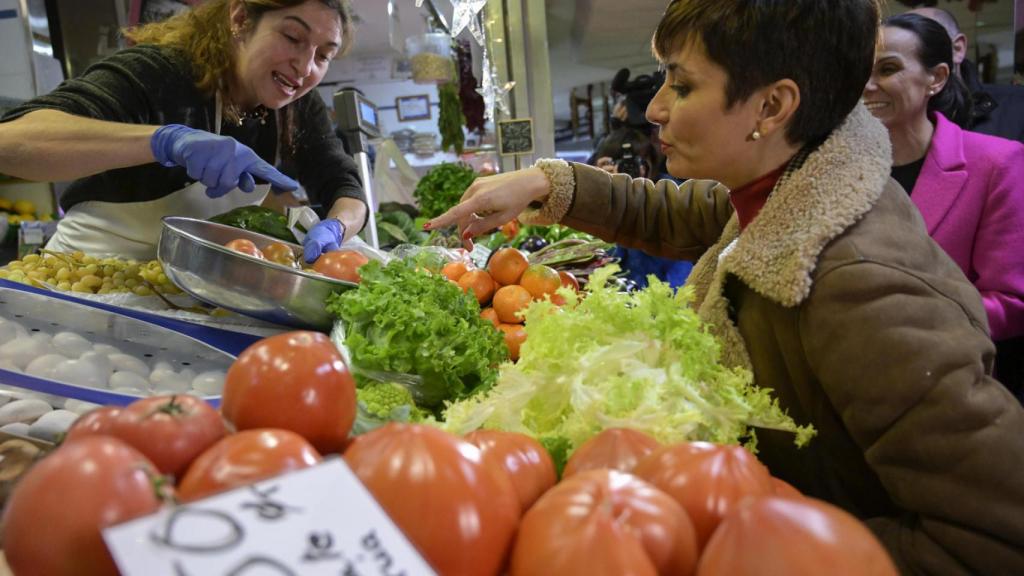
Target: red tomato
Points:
(245, 458)
(245, 247)
(280, 253)
(510, 229)
(706, 479)
(297, 381)
(527, 463)
(54, 516)
(459, 513)
(170, 430)
(97, 421)
(605, 523)
(785, 489)
(341, 264)
(614, 448)
(568, 279)
(804, 537)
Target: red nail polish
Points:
(466, 235)
(426, 225)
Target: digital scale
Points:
(359, 121)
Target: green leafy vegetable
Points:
(257, 219)
(400, 321)
(451, 119)
(641, 361)
(442, 187)
(383, 402)
(396, 227)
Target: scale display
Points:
(359, 122)
(356, 113)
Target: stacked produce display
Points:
(518, 410)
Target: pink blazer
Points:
(971, 194)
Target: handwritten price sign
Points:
(320, 520)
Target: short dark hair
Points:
(826, 46)
(933, 48)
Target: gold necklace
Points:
(260, 113)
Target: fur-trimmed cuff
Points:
(562, 185)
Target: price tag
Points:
(319, 520)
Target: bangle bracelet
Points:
(562, 186)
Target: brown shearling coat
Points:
(836, 298)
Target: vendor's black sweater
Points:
(152, 85)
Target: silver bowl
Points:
(194, 257)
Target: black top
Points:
(907, 174)
(997, 109)
(154, 85)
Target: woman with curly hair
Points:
(191, 121)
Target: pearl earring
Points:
(755, 135)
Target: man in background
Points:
(998, 108)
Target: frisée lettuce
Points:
(642, 361)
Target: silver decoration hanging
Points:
(494, 96)
(465, 15)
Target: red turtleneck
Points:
(749, 199)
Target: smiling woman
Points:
(969, 187)
(216, 96)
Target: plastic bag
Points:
(431, 258)
(393, 184)
(412, 382)
(302, 218)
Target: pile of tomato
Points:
(339, 264)
(507, 286)
(487, 504)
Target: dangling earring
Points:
(755, 135)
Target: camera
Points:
(628, 163)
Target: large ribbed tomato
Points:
(170, 430)
(460, 513)
(795, 537)
(707, 479)
(94, 422)
(614, 448)
(785, 489)
(297, 381)
(244, 458)
(527, 463)
(605, 523)
(53, 520)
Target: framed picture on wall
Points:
(413, 107)
(515, 136)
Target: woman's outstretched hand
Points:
(492, 201)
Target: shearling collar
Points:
(778, 252)
(837, 184)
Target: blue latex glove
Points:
(219, 162)
(325, 236)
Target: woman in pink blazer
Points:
(969, 187)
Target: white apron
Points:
(132, 229)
